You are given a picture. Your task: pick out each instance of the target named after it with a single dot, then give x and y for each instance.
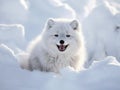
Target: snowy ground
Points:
(22, 20)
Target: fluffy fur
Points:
(61, 44)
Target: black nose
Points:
(61, 42)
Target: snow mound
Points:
(102, 75)
(101, 31)
(7, 56)
(13, 36)
(8, 11)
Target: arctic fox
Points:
(61, 44)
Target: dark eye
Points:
(67, 35)
(56, 35)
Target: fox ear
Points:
(74, 24)
(50, 23)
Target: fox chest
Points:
(59, 60)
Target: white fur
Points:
(44, 54)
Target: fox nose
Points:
(61, 42)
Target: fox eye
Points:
(56, 35)
(67, 35)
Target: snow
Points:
(22, 20)
(13, 36)
(102, 33)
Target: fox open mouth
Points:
(62, 47)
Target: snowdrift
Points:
(101, 75)
(13, 36)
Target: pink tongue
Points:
(62, 47)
